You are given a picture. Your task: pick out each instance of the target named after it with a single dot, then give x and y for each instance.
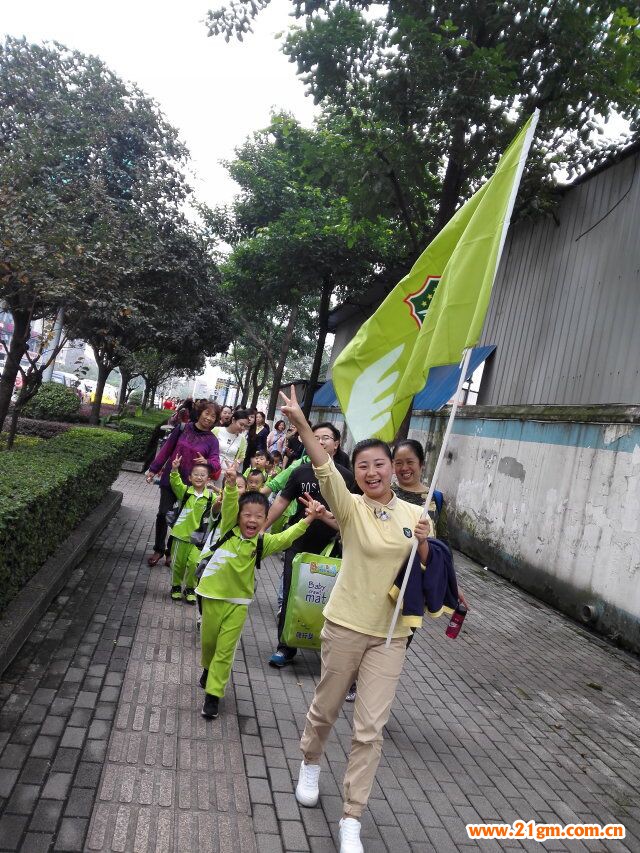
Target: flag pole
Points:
(464, 365)
(465, 362)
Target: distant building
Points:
(73, 355)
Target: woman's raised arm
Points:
(316, 452)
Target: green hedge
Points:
(53, 402)
(154, 416)
(144, 436)
(45, 491)
(19, 442)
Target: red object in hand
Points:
(455, 623)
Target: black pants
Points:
(289, 554)
(167, 500)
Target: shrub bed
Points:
(145, 431)
(20, 441)
(41, 429)
(53, 402)
(45, 491)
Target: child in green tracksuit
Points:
(226, 584)
(185, 555)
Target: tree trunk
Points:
(104, 369)
(453, 177)
(152, 395)
(402, 203)
(246, 386)
(29, 389)
(257, 388)
(13, 427)
(145, 395)
(282, 360)
(125, 379)
(323, 327)
(17, 349)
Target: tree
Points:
(169, 302)
(294, 236)
(157, 368)
(428, 95)
(269, 342)
(31, 370)
(83, 157)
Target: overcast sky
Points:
(215, 93)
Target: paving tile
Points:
(71, 835)
(80, 802)
(45, 816)
(11, 829)
(73, 737)
(269, 843)
(8, 779)
(37, 842)
(65, 760)
(23, 799)
(293, 835)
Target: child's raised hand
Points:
(175, 465)
(230, 474)
(313, 509)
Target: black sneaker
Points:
(176, 593)
(210, 707)
(190, 595)
(203, 678)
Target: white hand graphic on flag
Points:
(365, 392)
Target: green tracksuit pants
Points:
(220, 632)
(184, 562)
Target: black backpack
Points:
(199, 536)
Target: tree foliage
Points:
(92, 186)
(427, 96)
(296, 241)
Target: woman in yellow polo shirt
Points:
(377, 531)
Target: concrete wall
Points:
(553, 505)
(548, 497)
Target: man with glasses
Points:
(302, 483)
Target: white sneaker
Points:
(350, 836)
(307, 792)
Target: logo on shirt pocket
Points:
(408, 533)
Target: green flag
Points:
(435, 312)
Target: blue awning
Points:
(440, 388)
(325, 397)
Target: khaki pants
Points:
(348, 656)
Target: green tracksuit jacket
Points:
(193, 510)
(230, 571)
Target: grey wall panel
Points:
(565, 310)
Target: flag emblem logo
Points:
(420, 301)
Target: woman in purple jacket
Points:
(194, 442)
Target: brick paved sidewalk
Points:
(102, 746)
(524, 715)
(173, 781)
(59, 697)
